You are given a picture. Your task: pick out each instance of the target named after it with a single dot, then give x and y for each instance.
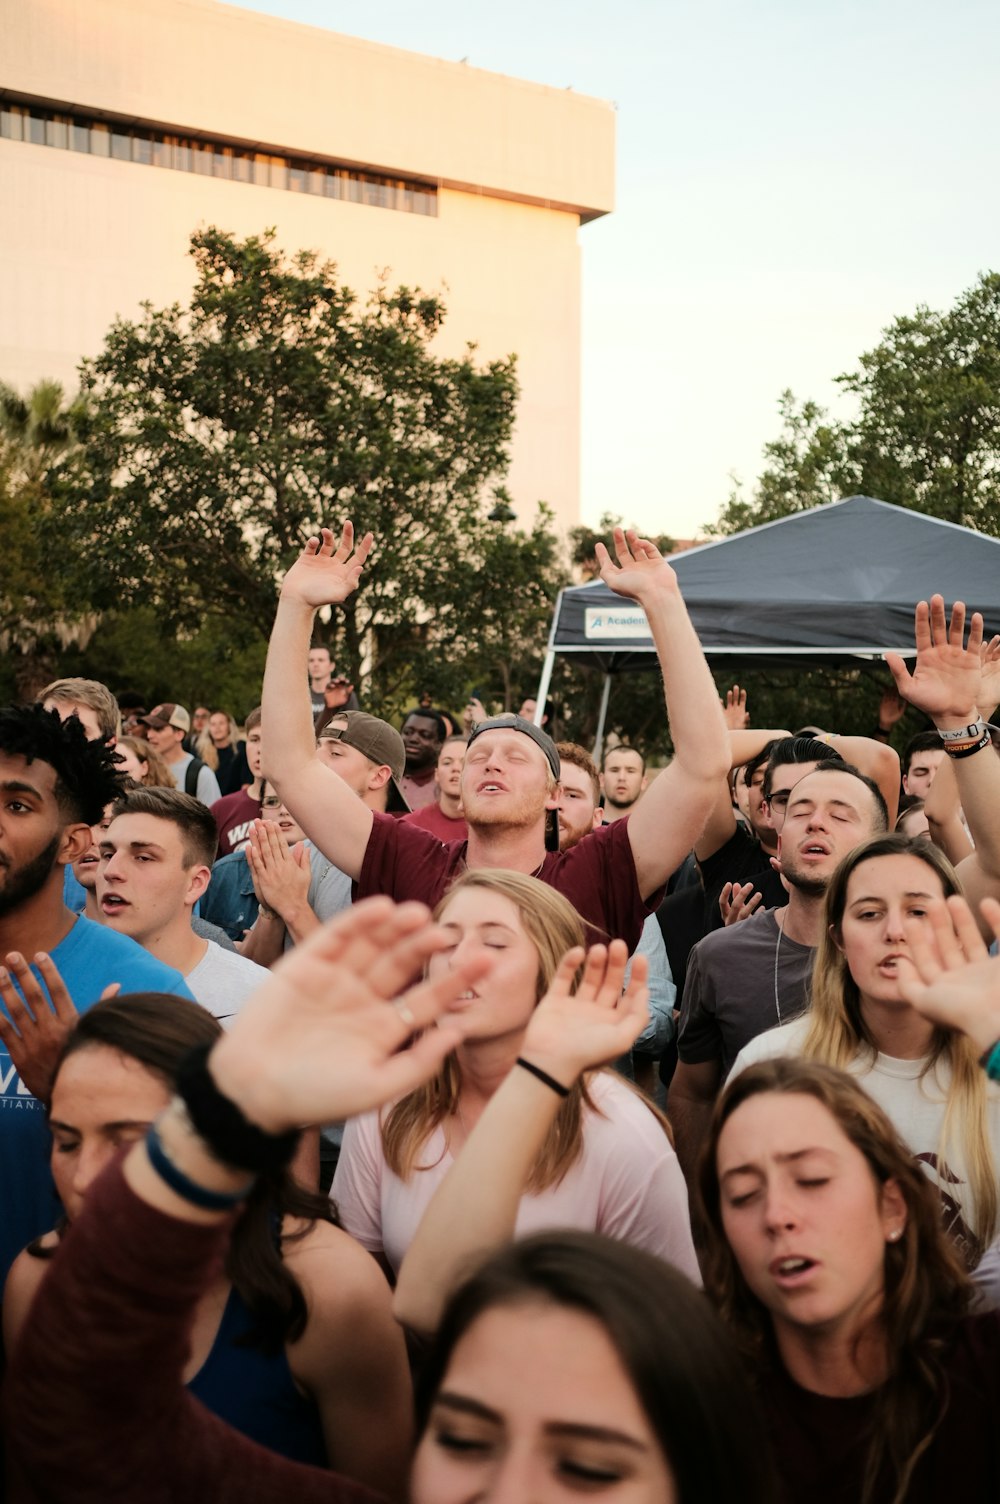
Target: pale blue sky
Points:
(791, 175)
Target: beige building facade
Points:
(126, 124)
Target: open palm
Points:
(640, 568)
(323, 1037)
(328, 570)
(570, 1032)
(947, 677)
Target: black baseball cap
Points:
(512, 722)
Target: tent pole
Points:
(602, 716)
(543, 686)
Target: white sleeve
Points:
(356, 1192)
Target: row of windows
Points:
(212, 159)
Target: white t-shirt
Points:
(223, 980)
(914, 1102)
(626, 1184)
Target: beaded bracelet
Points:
(990, 1061)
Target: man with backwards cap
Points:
(613, 877)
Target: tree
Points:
(44, 606)
(217, 438)
(927, 431)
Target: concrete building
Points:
(125, 124)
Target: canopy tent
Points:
(832, 585)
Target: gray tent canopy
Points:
(832, 585)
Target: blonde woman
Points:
(143, 764)
(605, 1162)
(925, 1078)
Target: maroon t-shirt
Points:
(233, 815)
(597, 875)
(821, 1444)
(433, 819)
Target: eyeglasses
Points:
(270, 804)
(779, 799)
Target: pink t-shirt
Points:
(626, 1184)
(597, 875)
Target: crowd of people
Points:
(436, 1114)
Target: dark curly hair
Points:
(87, 778)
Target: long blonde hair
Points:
(838, 1035)
(553, 926)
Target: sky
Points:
(791, 176)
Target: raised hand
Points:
(989, 691)
(738, 901)
(641, 567)
(35, 1026)
(946, 681)
(323, 1037)
(734, 709)
(955, 981)
(570, 1032)
(327, 571)
(891, 709)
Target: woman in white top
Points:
(925, 1078)
(605, 1163)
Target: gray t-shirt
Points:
(223, 980)
(329, 889)
(734, 990)
(206, 789)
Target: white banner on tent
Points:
(600, 622)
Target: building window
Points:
(128, 141)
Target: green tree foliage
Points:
(218, 437)
(44, 605)
(926, 434)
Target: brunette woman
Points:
(294, 1342)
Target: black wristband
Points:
(968, 751)
(544, 1077)
(220, 1124)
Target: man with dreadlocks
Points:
(54, 785)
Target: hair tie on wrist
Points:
(231, 1137)
(543, 1076)
(183, 1186)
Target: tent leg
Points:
(543, 686)
(602, 716)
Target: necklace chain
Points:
(777, 952)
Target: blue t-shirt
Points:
(89, 959)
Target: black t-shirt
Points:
(821, 1444)
(742, 859)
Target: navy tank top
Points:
(254, 1391)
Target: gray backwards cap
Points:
(511, 722)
